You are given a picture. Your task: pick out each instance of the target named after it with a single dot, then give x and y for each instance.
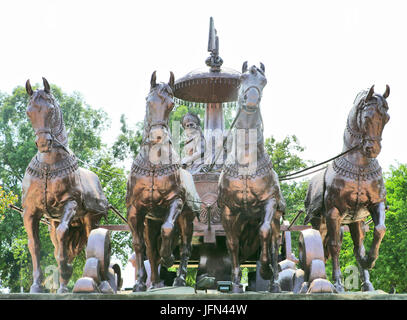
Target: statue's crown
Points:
(190, 117)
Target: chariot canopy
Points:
(213, 87)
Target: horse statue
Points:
(161, 197)
(352, 187)
(55, 187)
(249, 192)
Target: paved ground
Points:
(187, 293)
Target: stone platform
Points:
(188, 293)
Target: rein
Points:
(361, 136)
(292, 175)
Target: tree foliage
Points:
(6, 199)
(286, 158)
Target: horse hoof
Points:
(367, 286)
(275, 287)
(157, 285)
(265, 271)
(179, 282)
(237, 288)
(167, 262)
(139, 287)
(62, 290)
(339, 288)
(36, 288)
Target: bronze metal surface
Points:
(54, 187)
(205, 86)
(352, 188)
(251, 203)
(158, 194)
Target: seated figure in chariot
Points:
(194, 148)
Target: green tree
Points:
(6, 199)
(285, 155)
(128, 142)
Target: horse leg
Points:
(151, 235)
(232, 231)
(275, 233)
(64, 265)
(269, 242)
(265, 238)
(167, 258)
(378, 216)
(333, 223)
(31, 223)
(358, 235)
(90, 221)
(136, 224)
(185, 223)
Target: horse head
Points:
(367, 120)
(252, 82)
(160, 102)
(45, 116)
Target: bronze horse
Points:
(352, 187)
(161, 197)
(69, 197)
(249, 191)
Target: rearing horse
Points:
(69, 197)
(249, 191)
(161, 197)
(352, 187)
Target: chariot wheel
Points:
(310, 248)
(99, 247)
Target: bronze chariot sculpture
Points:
(230, 201)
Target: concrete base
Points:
(187, 293)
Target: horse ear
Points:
(28, 88)
(387, 92)
(244, 67)
(172, 80)
(370, 93)
(153, 79)
(262, 67)
(47, 88)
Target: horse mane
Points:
(382, 103)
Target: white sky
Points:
(318, 56)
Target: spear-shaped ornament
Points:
(214, 61)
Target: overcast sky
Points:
(318, 55)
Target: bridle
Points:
(362, 136)
(244, 107)
(54, 141)
(162, 123)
